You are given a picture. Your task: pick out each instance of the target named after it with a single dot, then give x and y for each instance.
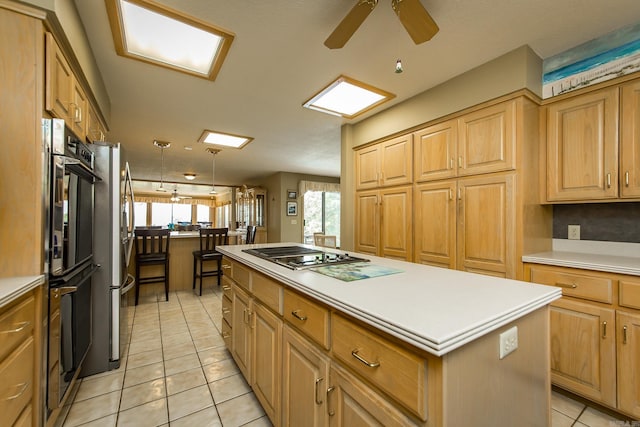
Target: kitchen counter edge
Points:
(12, 288)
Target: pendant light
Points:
(162, 145)
(213, 151)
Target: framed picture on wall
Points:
(292, 208)
(292, 194)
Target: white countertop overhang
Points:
(14, 287)
(435, 309)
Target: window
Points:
(140, 212)
(164, 214)
(222, 216)
(202, 213)
(321, 215)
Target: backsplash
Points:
(614, 222)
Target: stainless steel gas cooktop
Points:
(299, 257)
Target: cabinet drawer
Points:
(630, 294)
(267, 291)
(308, 317)
(395, 370)
(16, 325)
(227, 266)
(576, 285)
(226, 333)
(226, 287)
(241, 275)
(16, 382)
(227, 313)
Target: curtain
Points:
(327, 187)
(194, 201)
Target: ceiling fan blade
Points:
(350, 24)
(415, 19)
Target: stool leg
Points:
(166, 279)
(195, 263)
(201, 264)
(219, 271)
(137, 281)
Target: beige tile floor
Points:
(177, 372)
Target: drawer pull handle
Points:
(329, 411)
(226, 335)
(23, 387)
(226, 311)
(20, 327)
(226, 267)
(604, 329)
(318, 381)
(624, 334)
(295, 314)
(226, 288)
(355, 354)
(566, 285)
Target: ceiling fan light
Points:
(189, 176)
(399, 67)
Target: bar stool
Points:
(251, 234)
(209, 238)
(152, 248)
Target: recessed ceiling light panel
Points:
(348, 98)
(156, 34)
(224, 139)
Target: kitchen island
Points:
(416, 345)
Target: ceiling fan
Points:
(413, 16)
(175, 197)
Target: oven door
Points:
(71, 237)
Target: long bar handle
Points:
(23, 387)
(355, 354)
(566, 285)
(609, 180)
(624, 334)
(604, 329)
(317, 394)
(329, 411)
(626, 178)
(68, 290)
(295, 314)
(19, 328)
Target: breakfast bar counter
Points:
(428, 346)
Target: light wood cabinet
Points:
(384, 222)
(79, 113)
(305, 378)
(630, 141)
(241, 332)
(96, 131)
(436, 152)
(385, 164)
(58, 81)
(435, 206)
(595, 334)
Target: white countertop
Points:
(186, 234)
(13, 287)
(612, 257)
(432, 308)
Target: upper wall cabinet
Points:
(593, 146)
(582, 147)
(479, 142)
(95, 129)
(385, 164)
(630, 141)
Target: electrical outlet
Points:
(574, 232)
(508, 342)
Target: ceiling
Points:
(278, 61)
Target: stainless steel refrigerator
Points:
(113, 239)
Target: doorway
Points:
(321, 215)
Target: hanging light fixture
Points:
(162, 145)
(213, 151)
(399, 66)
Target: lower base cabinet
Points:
(266, 358)
(628, 325)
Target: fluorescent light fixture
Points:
(222, 139)
(348, 98)
(154, 33)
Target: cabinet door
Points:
(486, 140)
(486, 225)
(628, 334)
(583, 349)
(78, 110)
(435, 152)
(582, 147)
(396, 161)
(630, 141)
(396, 234)
(305, 373)
(367, 223)
(266, 352)
(95, 130)
(435, 224)
(58, 82)
(367, 167)
(354, 404)
(241, 332)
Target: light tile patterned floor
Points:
(177, 372)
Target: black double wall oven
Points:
(69, 204)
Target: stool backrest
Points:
(251, 234)
(211, 237)
(152, 241)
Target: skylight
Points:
(153, 33)
(224, 139)
(348, 98)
